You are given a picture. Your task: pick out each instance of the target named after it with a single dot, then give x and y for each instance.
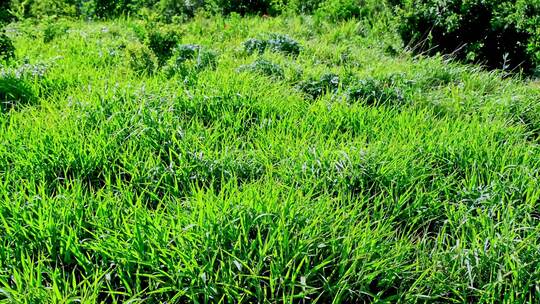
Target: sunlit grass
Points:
(339, 174)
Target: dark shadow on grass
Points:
(14, 93)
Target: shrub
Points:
(276, 43)
(14, 92)
(304, 6)
(52, 30)
(284, 44)
(501, 33)
(253, 45)
(264, 67)
(111, 8)
(345, 9)
(141, 59)
(189, 58)
(316, 88)
(167, 9)
(162, 39)
(7, 49)
(206, 59)
(185, 52)
(376, 91)
(5, 16)
(44, 8)
(244, 7)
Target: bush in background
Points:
(141, 59)
(43, 8)
(7, 49)
(276, 43)
(498, 33)
(167, 10)
(264, 67)
(189, 59)
(5, 16)
(336, 10)
(162, 39)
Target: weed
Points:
(189, 58)
(284, 44)
(264, 67)
(254, 45)
(377, 91)
(275, 42)
(53, 30)
(162, 40)
(141, 59)
(315, 88)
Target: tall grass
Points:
(228, 185)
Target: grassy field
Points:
(342, 169)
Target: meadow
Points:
(262, 160)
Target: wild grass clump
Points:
(314, 88)
(264, 67)
(253, 45)
(284, 44)
(54, 29)
(141, 59)
(190, 58)
(378, 91)
(275, 42)
(525, 110)
(28, 70)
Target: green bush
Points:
(275, 42)
(5, 16)
(111, 8)
(14, 92)
(162, 39)
(141, 59)
(304, 6)
(53, 29)
(44, 8)
(7, 49)
(189, 59)
(378, 91)
(167, 9)
(244, 7)
(498, 33)
(264, 67)
(315, 88)
(336, 10)
(253, 45)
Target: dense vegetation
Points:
(288, 159)
(498, 33)
(502, 34)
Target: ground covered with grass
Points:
(271, 160)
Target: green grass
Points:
(411, 179)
